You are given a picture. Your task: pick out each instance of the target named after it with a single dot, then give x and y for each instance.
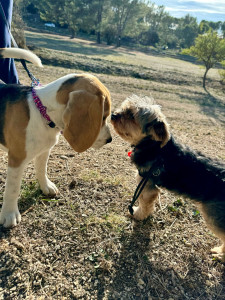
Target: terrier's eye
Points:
(127, 134)
(129, 115)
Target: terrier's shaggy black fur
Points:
(184, 171)
(169, 164)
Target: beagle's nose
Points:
(109, 140)
(114, 117)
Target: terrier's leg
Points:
(214, 213)
(146, 201)
(219, 252)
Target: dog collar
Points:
(42, 109)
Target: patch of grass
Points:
(107, 60)
(90, 175)
(29, 190)
(54, 42)
(112, 220)
(30, 193)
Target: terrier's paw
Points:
(10, 218)
(141, 213)
(49, 189)
(138, 214)
(219, 253)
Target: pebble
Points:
(16, 243)
(141, 282)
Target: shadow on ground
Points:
(140, 276)
(210, 105)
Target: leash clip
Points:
(35, 82)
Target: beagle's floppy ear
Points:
(82, 119)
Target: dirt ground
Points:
(82, 243)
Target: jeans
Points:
(8, 71)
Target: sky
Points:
(210, 10)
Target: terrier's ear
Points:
(159, 130)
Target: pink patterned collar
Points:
(42, 109)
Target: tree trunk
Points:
(204, 77)
(99, 37)
(99, 20)
(73, 33)
(118, 41)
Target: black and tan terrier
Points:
(167, 163)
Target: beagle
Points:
(31, 120)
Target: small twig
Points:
(173, 223)
(28, 210)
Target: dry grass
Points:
(82, 244)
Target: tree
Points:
(208, 48)
(186, 31)
(223, 28)
(99, 19)
(75, 14)
(205, 26)
(125, 12)
(166, 32)
(161, 29)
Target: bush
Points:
(109, 34)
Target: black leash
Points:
(137, 193)
(155, 171)
(34, 80)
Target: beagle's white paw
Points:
(10, 218)
(49, 189)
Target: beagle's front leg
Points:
(40, 163)
(10, 215)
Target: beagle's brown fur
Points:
(78, 104)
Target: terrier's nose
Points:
(109, 140)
